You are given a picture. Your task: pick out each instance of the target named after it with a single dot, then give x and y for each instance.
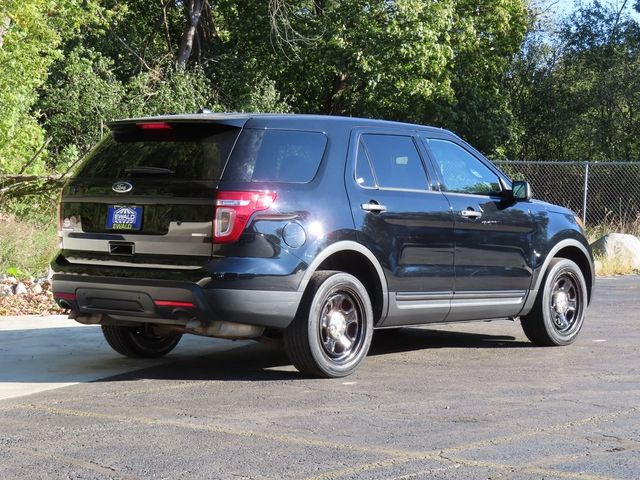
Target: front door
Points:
(407, 225)
(493, 235)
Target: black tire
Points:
(138, 342)
(331, 332)
(559, 310)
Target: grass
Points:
(606, 267)
(27, 246)
(630, 226)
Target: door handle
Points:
(470, 213)
(373, 206)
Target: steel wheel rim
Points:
(341, 328)
(565, 303)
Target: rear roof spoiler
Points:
(231, 119)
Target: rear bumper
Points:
(171, 302)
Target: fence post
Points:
(586, 190)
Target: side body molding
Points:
(342, 246)
(537, 281)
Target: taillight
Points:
(233, 211)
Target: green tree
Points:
(485, 38)
(31, 32)
(577, 94)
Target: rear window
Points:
(176, 151)
(276, 156)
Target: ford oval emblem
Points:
(122, 187)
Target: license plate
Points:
(124, 218)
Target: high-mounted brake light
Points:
(233, 211)
(154, 126)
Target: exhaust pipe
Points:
(229, 330)
(93, 319)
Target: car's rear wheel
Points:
(331, 332)
(138, 342)
(558, 313)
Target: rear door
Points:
(145, 192)
(404, 222)
(493, 235)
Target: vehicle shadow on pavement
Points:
(257, 362)
(406, 339)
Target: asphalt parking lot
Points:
(466, 401)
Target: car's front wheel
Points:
(331, 332)
(558, 313)
(138, 342)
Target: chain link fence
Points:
(599, 192)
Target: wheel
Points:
(558, 312)
(331, 332)
(138, 342)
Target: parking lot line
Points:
(456, 462)
(398, 457)
(217, 429)
(532, 432)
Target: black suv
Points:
(310, 229)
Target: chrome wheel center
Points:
(340, 327)
(337, 325)
(566, 303)
(561, 302)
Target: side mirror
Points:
(521, 191)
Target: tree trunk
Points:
(194, 12)
(4, 28)
(335, 103)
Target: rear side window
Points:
(396, 161)
(172, 151)
(276, 156)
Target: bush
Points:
(27, 246)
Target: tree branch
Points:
(35, 156)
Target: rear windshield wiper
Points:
(149, 170)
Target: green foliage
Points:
(31, 32)
(577, 97)
(409, 60)
(487, 36)
(169, 92)
(82, 94)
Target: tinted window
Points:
(396, 161)
(364, 175)
(276, 156)
(179, 151)
(461, 171)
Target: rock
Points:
(5, 290)
(20, 289)
(11, 280)
(36, 288)
(619, 246)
